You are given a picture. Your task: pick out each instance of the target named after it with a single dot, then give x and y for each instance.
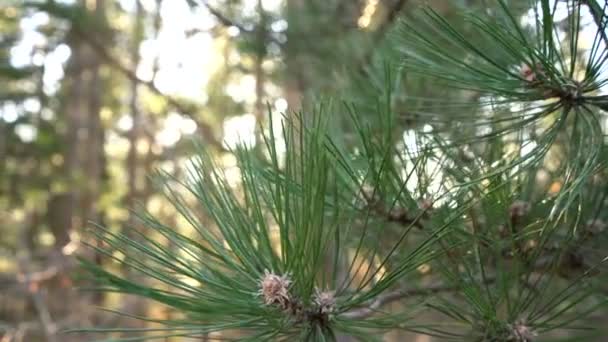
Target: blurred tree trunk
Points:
(261, 35)
(132, 158)
(84, 158)
(3, 144)
(134, 306)
(59, 216)
(294, 78)
(95, 167)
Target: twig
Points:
(380, 32)
(21, 328)
(223, 19)
(229, 22)
(49, 327)
(32, 289)
(393, 213)
(206, 130)
(394, 296)
(39, 276)
(393, 13)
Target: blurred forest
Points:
(97, 94)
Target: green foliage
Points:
(294, 220)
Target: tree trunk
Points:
(294, 78)
(261, 33)
(84, 157)
(132, 158)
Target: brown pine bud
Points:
(367, 195)
(325, 301)
(532, 74)
(275, 289)
(520, 332)
(426, 205)
(398, 214)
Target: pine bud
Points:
(467, 155)
(366, 197)
(520, 332)
(398, 214)
(370, 195)
(531, 74)
(426, 206)
(325, 301)
(275, 289)
(527, 73)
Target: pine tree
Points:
(488, 212)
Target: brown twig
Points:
(380, 32)
(49, 327)
(34, 292)
(39, 276)
(396, 214)
(188, 110)
(394, 296)
(224, 20)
